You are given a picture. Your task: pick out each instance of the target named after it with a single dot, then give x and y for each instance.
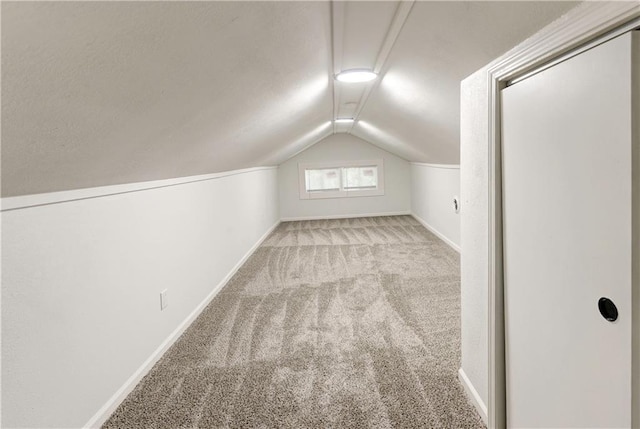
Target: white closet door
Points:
(567, 172)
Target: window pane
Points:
(356, 178)
(326, 179)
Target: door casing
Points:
(586, 24)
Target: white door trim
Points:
(579, 26)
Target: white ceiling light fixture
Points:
(343, 120)
(356, 75)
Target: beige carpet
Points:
(350, 323)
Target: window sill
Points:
(341, 194)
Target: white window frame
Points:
(342, 193)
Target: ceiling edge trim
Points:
(399, 19)
(329, 134)
(445, 166)
(379, 146)
(382, 148)
(38, 200)
(309, 146)
(337, 36)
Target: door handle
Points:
(608, 309)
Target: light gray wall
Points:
(344, 147)
(81, 283)
(474, 185)
(432, 191)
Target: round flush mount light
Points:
(344, 120)
(356, 75)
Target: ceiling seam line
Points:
(337, 31)
(395, 28)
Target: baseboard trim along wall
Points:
(473, 396)
(105, 412)
(441, 236)
(346, 216)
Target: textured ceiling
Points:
(101, 93)
(415, 110)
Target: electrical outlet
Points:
(163, 299)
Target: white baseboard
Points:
(346, 216)
(473, 396)
(105, 412)
(440, 235)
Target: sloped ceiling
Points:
(415, 109)
(101, 93)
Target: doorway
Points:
(567, 212)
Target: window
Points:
(341, 179)
(354, 178)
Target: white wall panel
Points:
(432, 191)
(474, 230)
(81, 283)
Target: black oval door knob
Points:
(608, 309)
